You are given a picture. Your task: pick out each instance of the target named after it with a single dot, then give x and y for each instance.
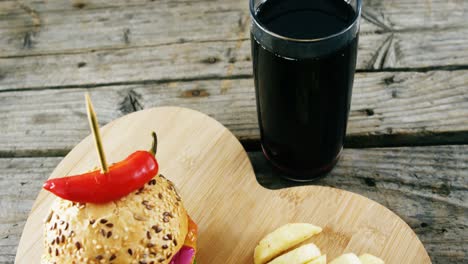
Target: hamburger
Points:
(149, 225)
(126, 213)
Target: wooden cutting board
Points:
(220, 191)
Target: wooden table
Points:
(408, 129)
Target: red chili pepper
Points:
(123, 178)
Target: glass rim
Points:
(263, 28)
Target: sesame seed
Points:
(109, 234)
(110, 225)
(50, 250)
(169, 255)
(142, 262)
(156, 228)
(92, 221)
(150, 245)
(148, 234)
(63, 239)
(165, 219)
(140, 190)
(103, 233)
(103, 221)
(78, 245)
(161, 260)
(164, 246)
(99, 257)
(167, 214)
(57, 240)
(66, 226)
(56, 252)
(112, 257)
(130, 252)
(175, 242)
(138, 217)
(49, 216)
(160, 196)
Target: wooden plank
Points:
(424, 49)
(426, 186)
(20, 182)
(38, 27)
(217, 59)
(172, 40)
(403, 15)
(26, 31)
(388, 109)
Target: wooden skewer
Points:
(93, 123)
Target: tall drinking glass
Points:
(304, 58)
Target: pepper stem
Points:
(154, 146)
(93, 123)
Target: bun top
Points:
(146, 226)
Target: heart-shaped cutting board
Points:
(220, 191)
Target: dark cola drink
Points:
(304, 58)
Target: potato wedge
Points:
(320, 260)
(282, 239)
(370, 259)
(348, 258)
(300, 255)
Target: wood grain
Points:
(171, 40)
(215, 177)
(393, 108)
(425, 196)
(216, 59)
(402, 15)
(31, 29)
(427, 186)
(157, 22)
(175, 61)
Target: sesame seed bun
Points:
(146, 226)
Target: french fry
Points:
(320, 260)
(282, 239)
(300, 255)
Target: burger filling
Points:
(186, 254)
